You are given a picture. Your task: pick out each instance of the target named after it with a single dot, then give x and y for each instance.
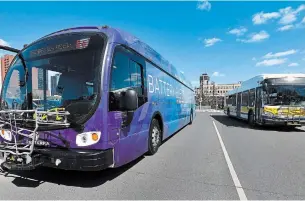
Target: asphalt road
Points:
(268, 163)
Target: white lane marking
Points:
(239, 188)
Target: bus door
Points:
(258, 103)
(238, 105)
(127, 72)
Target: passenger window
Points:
(125, 73)
(136, 77)
(120, 72)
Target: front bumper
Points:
(81, 160)
(289, 121)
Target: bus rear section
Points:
(87, 99)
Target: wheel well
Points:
(160, 121)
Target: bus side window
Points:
(251, 98)
(229, 100)
(245, 97)
(234, 100)
(125, 74)
(136, 80)
(120, 72)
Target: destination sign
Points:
(52, 49)
(60, 47)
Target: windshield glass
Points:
(62, 72)
(286, 95)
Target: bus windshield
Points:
(61, 72)
(290, 95)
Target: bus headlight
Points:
(268, 114)
(87, 139)
(7, 135)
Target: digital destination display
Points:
(52, 49)
(59, 47)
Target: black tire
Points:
(154, 138)
(251, 119)
(228, 112)
(191, 118)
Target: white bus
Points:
(269, 99)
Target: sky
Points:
(231, 41)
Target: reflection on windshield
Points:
(286, 95)
(64, 80)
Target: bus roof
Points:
(120, 36)
(255, 81)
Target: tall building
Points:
(5, 64)
(38, 82)
(40, 78)
(54, 82)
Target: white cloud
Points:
(262, 18)
(255, 37)
(300, 8)
(285, 28)
(253, 59)
(4, 43)
(303, 21)
(280, 54)
(271, 62)
(289, 15)
(211, 41)
(293, 64)
(182, 72)
(238, 31)
(217, 74)
(204, 5)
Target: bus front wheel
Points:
(155, 135)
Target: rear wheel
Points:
(251, 119)
(228, 112)
(155, 137)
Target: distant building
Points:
(211, 93)
(40, 78)
(54, 82)
(5, 62)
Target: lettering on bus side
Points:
(161, 87)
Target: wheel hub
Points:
(155, 137)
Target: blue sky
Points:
(231, 41)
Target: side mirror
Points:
(129, 100)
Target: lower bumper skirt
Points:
(286, 122)
(82, 160)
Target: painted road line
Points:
(239, 188)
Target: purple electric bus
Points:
(89, 98)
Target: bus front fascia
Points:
(17, 141)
